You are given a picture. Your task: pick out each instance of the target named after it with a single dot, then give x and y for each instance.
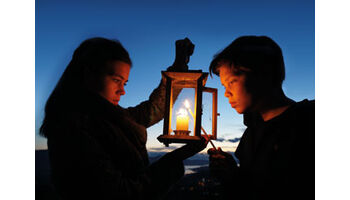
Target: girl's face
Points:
(113, 84)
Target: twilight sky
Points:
(149, 29)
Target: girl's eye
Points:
(116, 80)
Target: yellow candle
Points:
(182, 120)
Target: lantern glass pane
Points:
(181, 118)
(207, 109)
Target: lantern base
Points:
(167, 139)
(182, 132)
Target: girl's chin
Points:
(115, 102)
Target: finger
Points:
(204, 137)
(211, 151)
(177, 43)
(218, 156)
(205, 141)
(223, 153)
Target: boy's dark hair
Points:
(259, 55)
(91, 61)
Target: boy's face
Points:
(235, 89)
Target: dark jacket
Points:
(97, 151)
(277, 157)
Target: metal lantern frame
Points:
(190, 79)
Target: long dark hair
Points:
(89, 64)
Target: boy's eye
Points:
(231, 82)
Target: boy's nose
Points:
(227, 93)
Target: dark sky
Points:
(149, 29)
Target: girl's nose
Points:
(121, 91)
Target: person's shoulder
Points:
(303, 113)
(305, 106)
(306, 103)
(303, 119)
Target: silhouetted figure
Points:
(97, 148)
(277, 150)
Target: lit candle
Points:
(182, 120)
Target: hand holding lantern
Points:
(184, 49)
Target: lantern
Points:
(184, 108)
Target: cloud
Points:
(162, 149)
(220, 139)
(234, 140)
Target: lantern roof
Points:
(188, 78)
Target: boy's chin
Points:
(239, 111)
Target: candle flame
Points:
(182, 112)
(187, 103)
